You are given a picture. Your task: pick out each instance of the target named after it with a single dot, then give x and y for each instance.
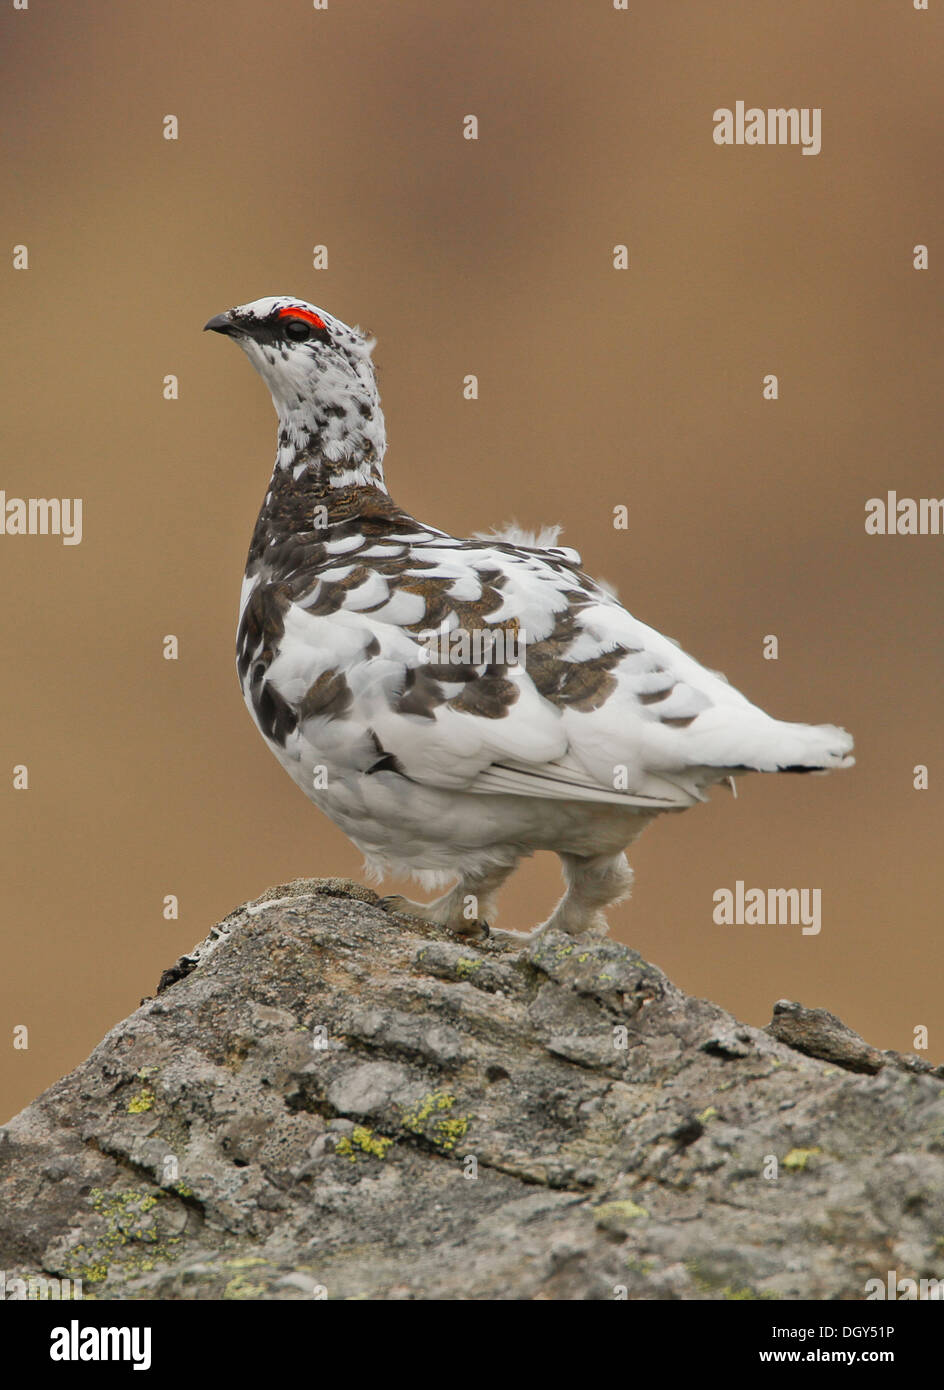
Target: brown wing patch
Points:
(435, 596)
(489, 696)
(471, 614)
(581, 685)
(331, 593)
(421, 694)
(655, 696)
(329, 696)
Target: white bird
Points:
(455, 705)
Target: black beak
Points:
(221, 323)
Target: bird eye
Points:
(298, 330)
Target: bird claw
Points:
(403, 907)
(517, 938)
(394, 903)
(473, 929)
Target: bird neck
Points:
(300, 513)
(338, 434)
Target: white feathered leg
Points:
(594, 882)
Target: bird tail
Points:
(729, 739)
(800, 748)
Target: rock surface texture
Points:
(325, 1100)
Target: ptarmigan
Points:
(454, 705)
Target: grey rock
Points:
(328, 1101)
(821, 1034)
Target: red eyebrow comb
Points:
(306, 314)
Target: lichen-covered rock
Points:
(324, 1100)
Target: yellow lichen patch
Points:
(445, 1131)
(242, 1288)
(126, 1223)
(616, 1216)
(797, 1159)
(465, 967)
(143, 1101)
(122, 1209)
(707, 1115)
(363, 1141)
(709, 1281)
(435, 1100)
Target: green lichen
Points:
(465, 967)
(797, 1159)
(143, 1101)
(707, 1115)
(363, 1141)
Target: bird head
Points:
(321, 378)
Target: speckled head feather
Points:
(321, 378)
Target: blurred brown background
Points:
(343, 127)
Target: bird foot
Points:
(423, 912)
(518, 938)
